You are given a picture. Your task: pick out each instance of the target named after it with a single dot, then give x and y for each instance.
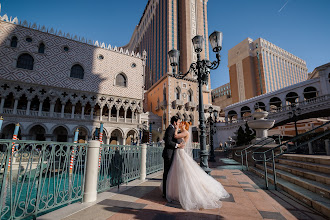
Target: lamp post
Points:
(294, 115)
(212, 132)
(201, 68)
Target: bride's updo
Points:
(185, 124)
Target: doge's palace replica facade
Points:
(53, 83)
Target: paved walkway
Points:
(143, 201)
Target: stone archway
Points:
(8, 131)
(131, 137)
(37, 132)
(60, 134)
(116, 137)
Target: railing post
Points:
(274, 169)
(90, 191)
(310, 148)
(246, 159)
(143, 162)
(327, 146)
(265, 167)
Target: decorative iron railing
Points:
(119, 164)
(154, 159)
(35, 176)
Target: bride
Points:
(187, 182)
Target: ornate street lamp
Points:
(294, 115)
(212, 131)
(201, 69)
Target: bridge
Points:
(312, 97)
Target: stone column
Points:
(70, 138)
(139, 116)
(117, 119)
(83, 112)
(52, 108)
(2, 104)
(72, 111)
(108, 141)
(125, 114)
(143, 162)
(15, 107)
(40, 108)
(48, 137)
(101, 112)
(124, 141)
(28, 107)
(109, 118)
(90, 191)
(92, 112)
(62, 110)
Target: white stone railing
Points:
(45, 114)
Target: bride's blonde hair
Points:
(185, 124)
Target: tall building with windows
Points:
(259, 67)
(166, 25)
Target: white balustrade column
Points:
(62, 111)
(40, 108)
(2, 104)
(72, 111)
(109, 115)
(83, 112)
(125, 114)
(117, 119)
(15, 107)
(143, 173)
(327, 146)
(92, 163)
(28, 107)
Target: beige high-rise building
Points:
(259, 67)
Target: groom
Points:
(171, 144)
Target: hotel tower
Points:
(259, 67)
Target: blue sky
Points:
(301, 27)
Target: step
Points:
(312, 199)
(320, 159)
(306, 165)
(314, 186)
(308, 174)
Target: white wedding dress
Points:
(188, 183)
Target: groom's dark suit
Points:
(168, 152)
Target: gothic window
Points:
(41, 48)
(190, 99)
(121, 80)
(25, 61)
(77, 71)
(13, 42)
(177, 93)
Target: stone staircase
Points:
(306, 177)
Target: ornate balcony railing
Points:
(46, 114)
(36, 177)
(119, 164)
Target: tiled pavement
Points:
(247, 201)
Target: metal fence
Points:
(35, 177)
(154, 159)
(119, 164)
